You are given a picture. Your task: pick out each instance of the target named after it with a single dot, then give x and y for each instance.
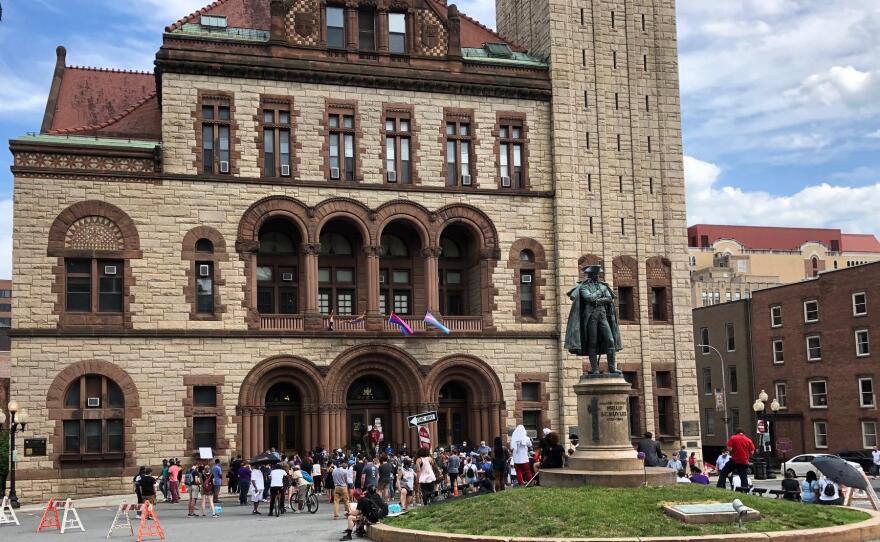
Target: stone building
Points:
(207, 255)
(813, 352)
(728, 263)
(724, 372)
(5, 342)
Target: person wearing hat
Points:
(592, 328)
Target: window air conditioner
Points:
(109, 269)
(334, 173)
(204, 270)
(465, 180)
(287, 277)
(93, 402)
(285, 170)
(392, 176)
(526, 279)
(224, 167)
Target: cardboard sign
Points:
(206, 453)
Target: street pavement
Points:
(235, 523)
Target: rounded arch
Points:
(300, 372)
(92, 208)
(194, 235)
(273, 206)
(411, 213)
(481, 380)
(63, 380)
(477, 219)
(526, 243)
(345, 208)
(400, 372)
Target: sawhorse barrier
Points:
(122, 519)
(150, 525)
(69, 520)
(7, 513)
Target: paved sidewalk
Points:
(236, 523)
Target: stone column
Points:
(324, 431)
(306, 443)
(374, 319)
(494, 420)
(313, 319)
(488, 257)
(351, 26)
(484, 423)
(432, 278)
(246, 449)
(382, 29)
(260, 440)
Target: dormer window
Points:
(367, 29)
(397, 33)
(335, 27)
(213, 22)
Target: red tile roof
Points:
(858, 242)
(94, 101)
(474, 33)
(771, 238)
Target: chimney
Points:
(278, 13)
(454, 26)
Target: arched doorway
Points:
(368, 402)
(452, 419)
(283, 418)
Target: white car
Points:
(800, 465)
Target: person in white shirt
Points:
(875, 457)
(681, 477)
(276, 487)
(829, 492)
(722, 461)
(257, 488)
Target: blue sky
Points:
(780, 98)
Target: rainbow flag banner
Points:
(398, 321)
(435, 323)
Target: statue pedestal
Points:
(605, 456)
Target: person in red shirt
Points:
(741, 448)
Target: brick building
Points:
(724, 370)
(813, 352)
(184, 239)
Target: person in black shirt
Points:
(358, 471)
(148, 487)
(553, 454)
(791, 487)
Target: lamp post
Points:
(17, 422)
(760, 408)
(723, 390)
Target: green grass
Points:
(605, 512)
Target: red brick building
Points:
(812, 350)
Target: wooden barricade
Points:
(7, 513)
(122, 519)
(150, 525)
(49, 520)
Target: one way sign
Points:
(422, 419)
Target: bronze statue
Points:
(592, 323)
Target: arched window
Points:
(396, 270)
(97, 419)
(814, 264)
(335, 244)
(338, 270)
(205, 246)
(278, 265)
(527, 284)
(459, 295)
(203, 249)
(527, 260)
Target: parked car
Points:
(861, 457)
(800, 465)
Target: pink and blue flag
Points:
(398, 321)
(435, 323)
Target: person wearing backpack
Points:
(207, 491)
(192, 483)
(810, 489)
(829, 492)
(370, 508)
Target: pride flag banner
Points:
(398, 321)
(435, 323)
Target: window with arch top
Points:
(96, 426)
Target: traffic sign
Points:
(424, 437)
(422, 419)
(784, 445)
(762, 428)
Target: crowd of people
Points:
(358, 482)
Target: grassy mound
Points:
(605, 512)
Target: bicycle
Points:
(279, 503)
(309, 501)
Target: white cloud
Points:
(6, 239)
(874, 135)
(799, 142)
(853, 209)
(838, 84)
(18, 95)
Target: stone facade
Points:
(603, 183)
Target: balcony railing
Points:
(345, 323)
(282, 322)
(454, 323)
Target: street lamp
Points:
(17, 422)
(723, 391)
(760, 408)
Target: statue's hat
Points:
(592, 269)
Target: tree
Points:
(4, 460)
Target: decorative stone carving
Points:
(94, 233)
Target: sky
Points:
(780, 98)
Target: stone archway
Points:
(297, 372)
(485, 396)
(395, 368)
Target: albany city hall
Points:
(207, 255)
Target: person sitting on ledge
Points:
(697, 477)
(791, 487)
(554, 453)
(681, 477)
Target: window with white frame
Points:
(860, 304)
(866, 392)
(780, 395)
(869, 435)
(811, 311)
(862, 346)
(818, 394)
(820, 434)
(778, 353)
(814, 348)
(776, 316)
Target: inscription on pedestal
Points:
(614, 412)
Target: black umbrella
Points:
(264, 458)
(840, 471)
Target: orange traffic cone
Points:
(183, 488)
(455, 490)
